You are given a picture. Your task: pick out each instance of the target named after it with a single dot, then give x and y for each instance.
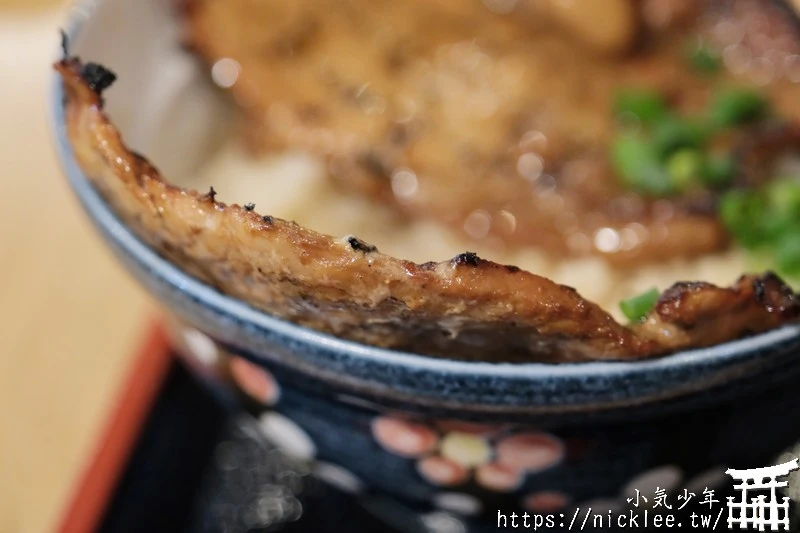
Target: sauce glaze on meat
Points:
(492, 123)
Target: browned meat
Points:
(761, 154)
(465, 308)
(492, 126)
(703, 314)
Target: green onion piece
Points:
(787, 253)
(637, 164)
(704, 59)
(744, 214)
(638, 307)
(719, 171)
(672, 133)
(648, 106)
(735, 106)
(685, 168)
(767, 222)
(784, 197)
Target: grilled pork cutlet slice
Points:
(466, 308)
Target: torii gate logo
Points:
(757, 511)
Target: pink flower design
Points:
(259, 384)
(442, 471)
(545, 501)
(403, 438)
(254, 381)
(531, 452)
(450, 453)
(497, 477)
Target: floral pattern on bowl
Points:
(450, 453)
(461, 470)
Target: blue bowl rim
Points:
(614, 373)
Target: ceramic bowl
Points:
(435, 441)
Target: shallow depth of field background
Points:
(70, 318)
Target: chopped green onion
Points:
(787, 253)
(638, 307)
(671, 134)
(784, 197)
(764, 217)
(767, 222)
(704, 59)
(735, 106)
(744, 213)
(718, 171)
(648, 106)
(637, 163)
(668, 155)
(685, 168)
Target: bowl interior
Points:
(162, 100)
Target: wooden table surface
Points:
(70, 316)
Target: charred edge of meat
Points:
(268, 219)
(64, 45)
(674, 296)
(776, 296)
(97, 77)
(249, 206)
(360, 246)
(760, 290)
(467, 258)
(767, 291)
(211, 195)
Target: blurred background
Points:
(71, 319)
